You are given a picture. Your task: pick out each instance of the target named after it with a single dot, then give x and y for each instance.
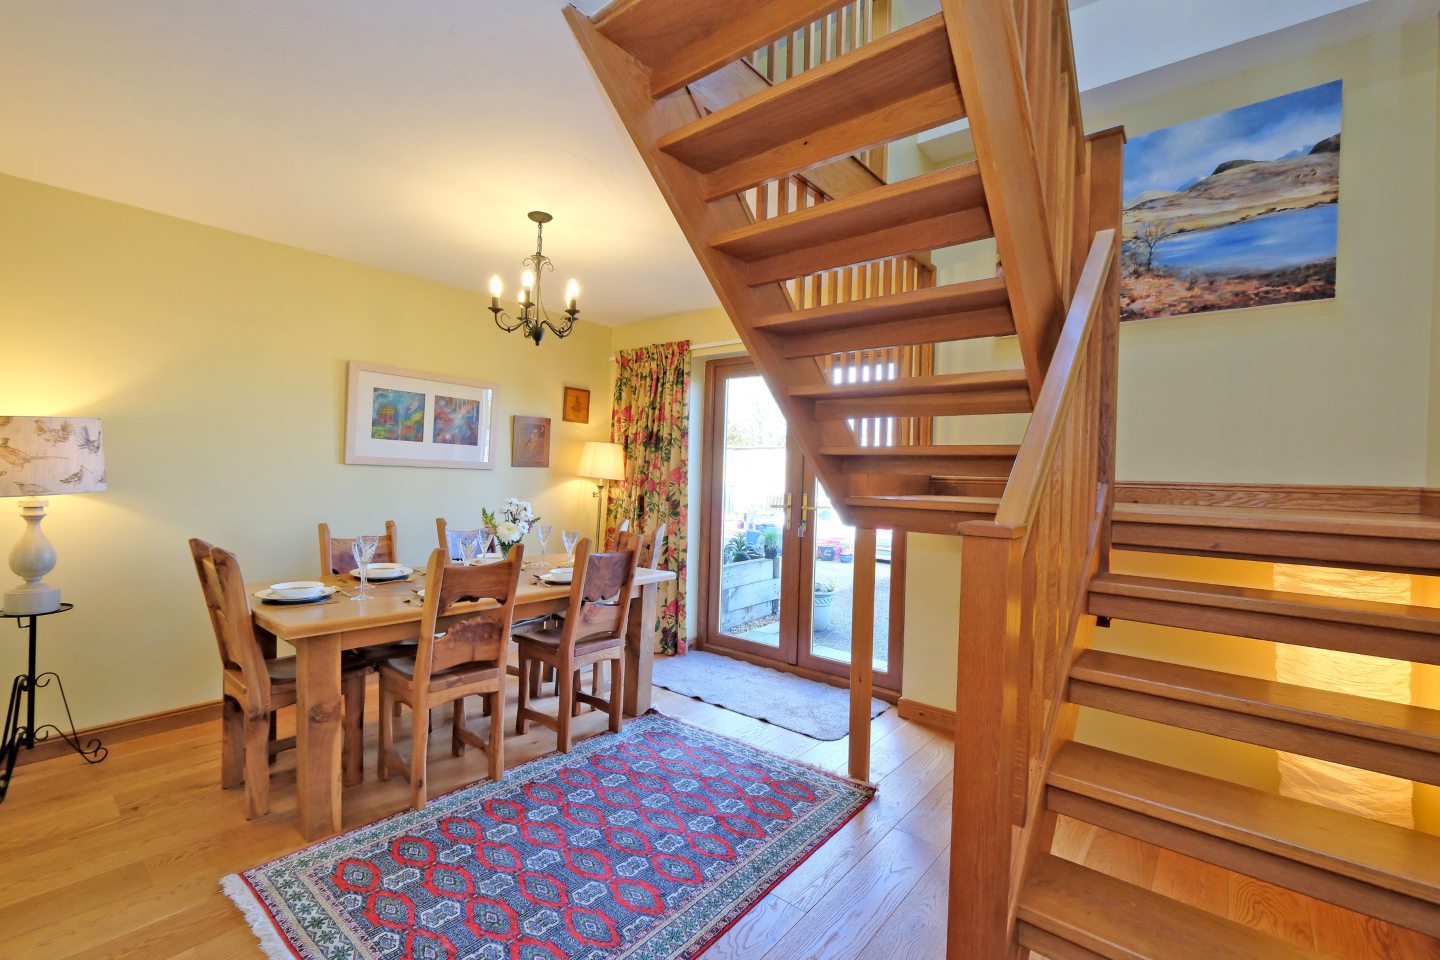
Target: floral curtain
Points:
(652, 424)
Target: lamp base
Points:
(31, 598)
(32, 558)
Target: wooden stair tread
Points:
(910, 386)
(1396, 738)
(681, 41)
(898, 85)
(980, 505)
(945, 395)
(1407, 526)
(1367, 613)
(1380, 854)
(1120, 921)
(958, 451)
(932, 210)
(960, 311)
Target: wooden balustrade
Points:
(1022, 597)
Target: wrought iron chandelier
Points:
(533, 320)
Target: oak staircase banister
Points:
(1037, 449)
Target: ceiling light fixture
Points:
(533, 319)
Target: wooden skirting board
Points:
(936, 717)
(119, 731)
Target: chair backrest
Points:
(652, 548)
(482, 636)
(600, 597)
(449, 539)
(335, 555)
(229, 607)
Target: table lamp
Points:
(40, 456)
(601, 462)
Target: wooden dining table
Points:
(319, 632)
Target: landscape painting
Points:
(397, 415)
(1238, 209)
(457, 420)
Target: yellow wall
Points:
(217, 362)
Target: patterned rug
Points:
(646, 844)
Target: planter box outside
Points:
(749, 590)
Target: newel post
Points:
(985, 723)
(1107, 152)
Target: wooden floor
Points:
(122, 861)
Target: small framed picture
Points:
(530, 442)
(577, 405)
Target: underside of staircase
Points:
(824, 266)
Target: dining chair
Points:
(254, 686)
(467, 658)
(449, 539)
(652, 554)
(593, 631)
(336, 556)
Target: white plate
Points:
(384, 572)
(561, 581)
(268, 596)
(297, 590)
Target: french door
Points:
(779, 565)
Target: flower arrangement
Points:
(515, 520)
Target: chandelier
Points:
(533, 320)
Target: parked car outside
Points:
(882, 546)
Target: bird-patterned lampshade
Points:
(41, 456)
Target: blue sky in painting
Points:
(1177, 156)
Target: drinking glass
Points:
(543, 533)
(487, 540)
(568, 539)
(363, 550)
(469, 545)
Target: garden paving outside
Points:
(836, 641)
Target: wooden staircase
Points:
(716, 135)
(822, 267)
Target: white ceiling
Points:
(413, 136)
(416, 135)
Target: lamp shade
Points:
(602, 461)
(41, 456)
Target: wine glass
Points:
(363, 550)
(487, 539)
(543, 533)
(568, 539)
(469, 544)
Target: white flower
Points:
(508, 532)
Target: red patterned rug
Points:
(646, 844)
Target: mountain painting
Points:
(1238, 209)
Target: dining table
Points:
(320, 632)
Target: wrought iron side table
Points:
(26, 735)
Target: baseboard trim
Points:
(120, 731)
(926, 715)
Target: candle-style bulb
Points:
(496, 287)
(527, 280)
(572, 294)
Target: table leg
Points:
(318, 711)
(640, 649)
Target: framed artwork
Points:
(410, 418)
(577, 405)
(1238, 209)
(530, 441)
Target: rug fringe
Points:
(271, 943)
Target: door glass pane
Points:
(834, 545)
(752, 512)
